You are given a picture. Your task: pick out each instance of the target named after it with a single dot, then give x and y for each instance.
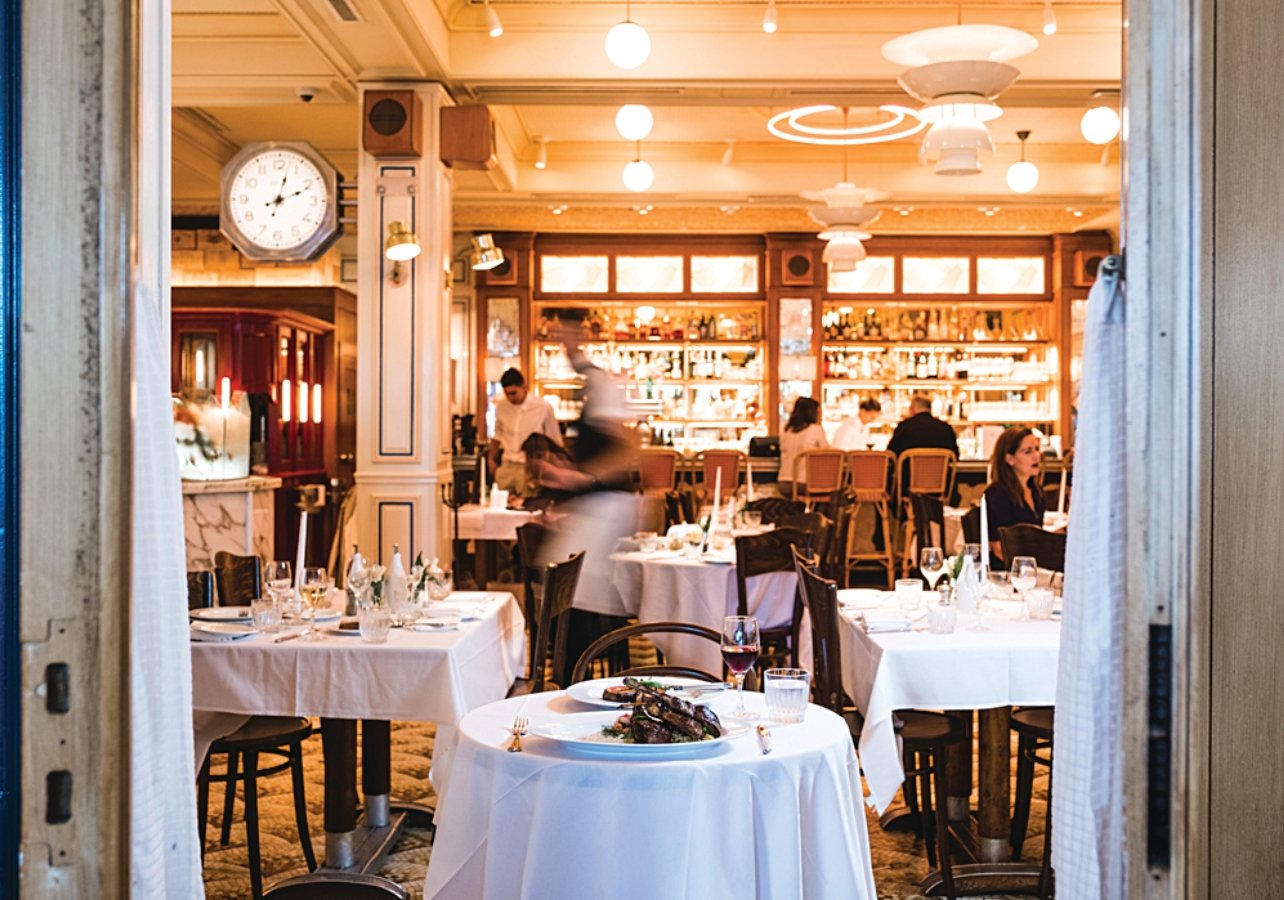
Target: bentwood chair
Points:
(1033, 726)
(926, 471)
(760, 554)
(530, 538)
(870, 477)
(200, 589)
(925, 736)
(239, 578)
(679, 508)
(612, 639)
(658, 470)
(707, 465)
(818, 475)
(552, 626)
(773, 509)
(1047, 547)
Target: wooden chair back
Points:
(552, 626)
(239, 578)
(972, 526)
(927, 471)
(611, 639)
(929, 521)
(1047, 547)
(820, 598)
(871, 474)
(200, 589)
(730, 462)
(773, 509)
(679, 508)
(657, 469)
(818, 526)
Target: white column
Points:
(403, 348)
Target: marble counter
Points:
(237, 516)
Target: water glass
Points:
(1038, 603)
(648, 541)
(941, 618)
(787, 691)
(909, 593)
(374, 621)
(931, 562)
(440, 584)
(720, 541)
(265, 613)
(1025, 573)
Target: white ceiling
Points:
(713, 77)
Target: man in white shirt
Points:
(853, 433)
(517, 416)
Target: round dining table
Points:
(551, 821)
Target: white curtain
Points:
(1087, 798)
(164, 854)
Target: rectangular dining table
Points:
(1011, 663)
(422, 676)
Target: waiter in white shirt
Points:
(853, 433)
(517, 416)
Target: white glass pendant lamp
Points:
(634, 122)
(1023, 176)
(627, 44)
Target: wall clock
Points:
(279, 201)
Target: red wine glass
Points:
(740, 648)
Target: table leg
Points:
(376, 770)
(339, 745)
(994, 773)
(958, 785)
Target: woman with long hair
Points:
(1015, 495)
(801, 432)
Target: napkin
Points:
(875, 624)
(444, 624)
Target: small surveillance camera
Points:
(307, 94)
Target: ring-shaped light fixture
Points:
(891, 129)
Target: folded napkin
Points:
(447, 610)
(876, 624)
(450, 624)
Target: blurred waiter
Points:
(517, 416)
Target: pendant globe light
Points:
(1023, 176)
(1100, 125)
(627, 44)
(638, 175)
(634, 122)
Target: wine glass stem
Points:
(740, 692)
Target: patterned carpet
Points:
(899, 863)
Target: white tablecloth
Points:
(1014, 663)
(478, 524)
(416, 676)
(666, 587)
(545, 823)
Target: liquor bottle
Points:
(847, 328)
(933, 329)
(920, 366)
(919, 328)
(932, 369)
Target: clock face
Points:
(278, 202)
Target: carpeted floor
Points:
(899, 863)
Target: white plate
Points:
(590, 692)
(220, 631)
(221, 614)
(468, 597)
(862, 598)
(576, 732)
(719, 561)
(342, 632)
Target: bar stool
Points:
(818, 475)
(657, 469)
(707, 464)
(871, 473)
(1033, 726)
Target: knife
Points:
(764, 739)
(287, 637)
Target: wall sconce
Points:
(400, 246)
(485, 254)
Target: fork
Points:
(520, 724)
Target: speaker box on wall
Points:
(797, 268)
(467, 137)
(392, 124)
(1086, 264)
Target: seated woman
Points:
(801, 432)
(542, 453)
(1015, 496)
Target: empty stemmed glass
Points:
(740, 649)
(931, 562)
(280, 585)
(1025, 575)
(358, 581)
(315, 588)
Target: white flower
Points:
(377, 573)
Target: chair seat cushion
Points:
(1035, 721)
(264, 733)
